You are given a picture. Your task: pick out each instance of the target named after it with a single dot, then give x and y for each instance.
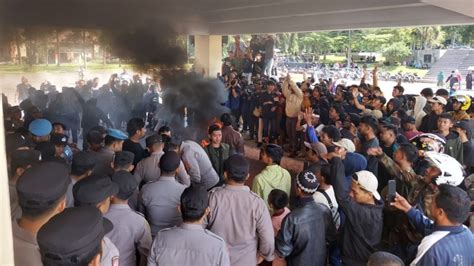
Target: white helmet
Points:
(452, 172)
(429, 142)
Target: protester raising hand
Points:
(308, 115)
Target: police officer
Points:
(131, 231)
(123, 161)
(148, 169)
(112, 143)
(40, 130)
(96, 190)
(82, 165)
(20, 161)
(189, 243)
(41, 195)
(73, 237)
(158, 200)
(196, 162)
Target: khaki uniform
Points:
(242, 219)
(131, 232)
(188, 244)
(148, 170)
(25, 247)
(110, 253)
(159, 202)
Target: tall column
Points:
(208, 54)
(6, 252)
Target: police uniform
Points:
(148, 170)
(131, 231)
(84, 160)
(189, 243)
(106, 156)
(159, 199)
(198, 164)
(73, 235)
(39, 187)
(91, 191)
(20, 158)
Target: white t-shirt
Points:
(320, 198)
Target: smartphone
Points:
(392, 189)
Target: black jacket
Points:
(362, 230)
(429, 123)
(304, 233)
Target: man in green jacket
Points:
(454, 147)
(217, 151)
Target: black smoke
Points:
(135, 35)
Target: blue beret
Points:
(116, 134)
(40, 127)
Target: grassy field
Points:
(63, 68)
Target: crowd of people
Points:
(386, 180)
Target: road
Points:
(8, 82)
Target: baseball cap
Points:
(72, 235)
(438, 99)
(40, 127)
(317, 147)
(237, 167)
(307, 181)
(118, 134)
(93, 190)
(346, 144)
(15, 141)
(368, 182)
(127, 184)
(59, 139)
(42, 185)
(170, 161)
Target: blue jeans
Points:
(268, 67)
(270, 128)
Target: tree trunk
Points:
(58, 59)
(84, 48)
(18, 46)
(104, 55)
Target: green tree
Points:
(396, 52)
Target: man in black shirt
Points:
(136, 131)
(269, 103)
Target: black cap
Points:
(170, 161)
(153, 139)
(176, 140)
(194, 199)
(72, 235)
(123, 158)
(16, 140)
(21, 158)
(84, 159)
(47, 149)
(237, 167)
(93, 190)
(58, 139)
(126, 182)
(42, 185)
(409, 120)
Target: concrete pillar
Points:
(208, 54)
(6, 252)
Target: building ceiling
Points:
(223, 17)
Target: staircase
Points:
(459, 59)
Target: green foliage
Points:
(396, 52)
